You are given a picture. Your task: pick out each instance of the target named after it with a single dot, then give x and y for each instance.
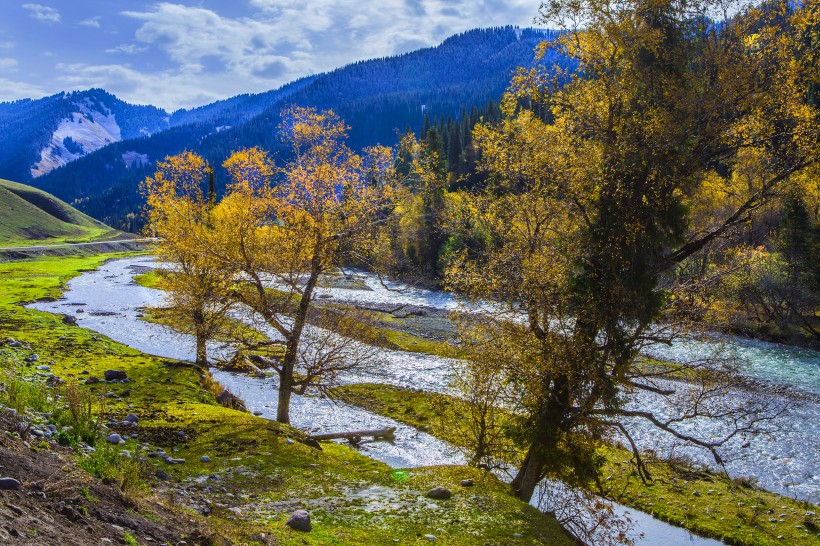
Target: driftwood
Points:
(355, 437)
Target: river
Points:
(785, 460)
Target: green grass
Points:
(29, 216)
(352, 499)
(705, 504)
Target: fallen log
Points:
(357, 435)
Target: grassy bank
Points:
(708, 505)
(259, 471)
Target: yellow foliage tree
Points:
(278, 229)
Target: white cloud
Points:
(7, 64)
(287, 39)
(6, 45)
(93, 22)
(128, 49)
(44, 14)
(14, 90)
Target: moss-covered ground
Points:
(259, 470)
(706, 504)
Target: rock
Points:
(696, 493)
(131, 418)
(115, 375)
(257, 413)
(110, 394)
(70, 320)
(289, 441)
(162, 475)
(114, 438)
(466, 483)
(299, 520)
(43, 368)
(171, 460)
(439, 493)
(746, 444)
(313, 443)
(92, 380)
(518, 535)
(228, 400)
(430, 537)
(9, 484)
(205, 459)
(32, 358)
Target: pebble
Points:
(9, 484)
(205, 459)
(430, 537)
(171, 460)
(32, 358)
(439, 493)
(43, 368)
(289, 441)
(131, 418)
(300, 521)
(466, 483)
(115, 439)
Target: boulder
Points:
(439, 493)
(70, 320)
(300, 521)
(115, 375)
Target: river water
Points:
(785, 460)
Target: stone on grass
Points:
(205, 459)
(430, 537)
(299, 520)
(466, 483)
(131, 418)
(114, 438)
(9, 484)
(115, 375)
(439, 493)
(32, 358)
(171, 460)
(162, 475)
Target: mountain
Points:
(37, 136)
(30, 216)
(377, 99)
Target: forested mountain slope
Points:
(377, 98)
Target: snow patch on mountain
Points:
(135, 159)
(83, 132)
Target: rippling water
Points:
(785, 460)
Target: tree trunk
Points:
(292, 351)
(528, 475)
(201, 350)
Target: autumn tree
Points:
(587, 214)
(279, 229)
(178, 213)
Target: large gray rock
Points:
(112, 375)
(131, 418)
(299, 520)
(439, 493)
(9, 484)
(114, 439)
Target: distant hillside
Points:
(29, 216)
(37, 136)
(377, 98)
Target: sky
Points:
(185, 53)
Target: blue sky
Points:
(185, 53)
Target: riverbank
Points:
(733, 511)
(258, 471)
(680, 495)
